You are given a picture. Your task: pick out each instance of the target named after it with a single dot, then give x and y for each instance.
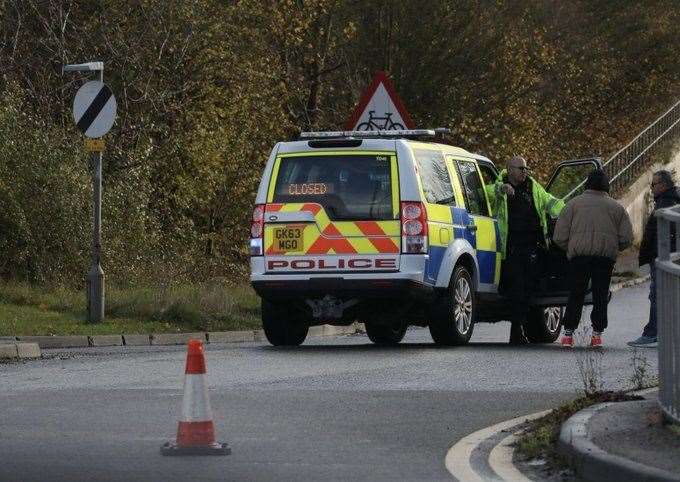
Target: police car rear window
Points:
(434, 177)
(352, 187)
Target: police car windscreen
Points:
(348, 187)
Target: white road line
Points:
(457, 459)
(500, 460)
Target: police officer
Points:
(521, 205)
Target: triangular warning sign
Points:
(380, 108)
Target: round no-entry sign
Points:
(94, 109)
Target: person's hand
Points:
(508, 189)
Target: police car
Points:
(389, 228)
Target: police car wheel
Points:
(544, 324)
(281, 326)
(382, 334)
(452, 316)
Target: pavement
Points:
(622, 441)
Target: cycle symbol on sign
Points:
(375, 123)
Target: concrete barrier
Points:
(315, 331)
(175, 338)
(106, 340)
(259, 335)
(136, 340)
(28, 350)
(19, 350)
(74, 341)
(8, 350)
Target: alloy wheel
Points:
(463, 306)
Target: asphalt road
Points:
(333, 409)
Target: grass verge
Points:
(27, 310)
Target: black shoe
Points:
(517, 336)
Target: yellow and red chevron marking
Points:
(331, 240)
(341, 237)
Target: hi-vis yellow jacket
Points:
(545, 203)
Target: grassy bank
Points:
(27, 310)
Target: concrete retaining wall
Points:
(638, 199)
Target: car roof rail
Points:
(420, 134)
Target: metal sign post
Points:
(94, 111)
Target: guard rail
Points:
(667, 267)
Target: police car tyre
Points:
(452, 316)
(544, 324)
(382, 334)
(281, 326)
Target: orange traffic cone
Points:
(196, 432)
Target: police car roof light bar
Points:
(440, 131)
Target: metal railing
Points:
(668, 310)
(623, 167)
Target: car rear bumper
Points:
(407, 282)
(342, 288)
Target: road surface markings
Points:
(458, 459)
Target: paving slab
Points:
(230, 336)
(175, 338)
(73, 341)
(136, 340)
(106, 340)
(28, 350)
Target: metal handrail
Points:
(668, 311)
(618, 167)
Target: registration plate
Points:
(288, 239)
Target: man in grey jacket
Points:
(592, 228)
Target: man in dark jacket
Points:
(665, 196)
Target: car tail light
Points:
(413, 228)
(256, 230)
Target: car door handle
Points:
(471, 227)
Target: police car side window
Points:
(434, 177)
(488, 174)
(474, 188)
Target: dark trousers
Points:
(650, 328)
(519, 269)
(583, 269)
